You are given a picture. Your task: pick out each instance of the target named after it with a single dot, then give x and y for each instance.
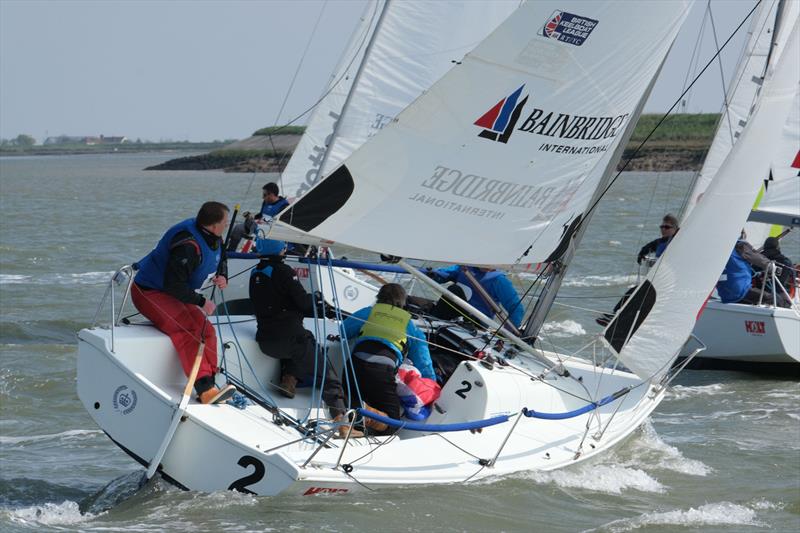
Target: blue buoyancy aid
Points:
(271, 210)
(154, 265)
(660, 247)
(475, 299)
(736, 279)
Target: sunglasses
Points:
(666, 226)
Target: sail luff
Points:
(304, 167)
(338, 124)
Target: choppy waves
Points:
(633, 467)
(711, 514)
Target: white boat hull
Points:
(132, 393)
(748, 335)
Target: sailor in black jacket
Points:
(281, 303)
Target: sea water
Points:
(721, 453)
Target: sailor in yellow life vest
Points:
(386, 335)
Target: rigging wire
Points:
(721, 71)
(695, 58)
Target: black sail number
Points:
(465, 389)
(257, 475)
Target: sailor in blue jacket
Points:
(494, 282)
(273, 203)
(735, 284)
(385, 336)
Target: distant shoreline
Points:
(123, 148)
(679, 144)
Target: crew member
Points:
(165, 291)
(494, 282)
(280, 303)
(385, 336)
(272, 204)
(668, 227)
(735, 284)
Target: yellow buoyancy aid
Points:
(389, 323)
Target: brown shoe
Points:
(288, 385)
(380, 427)
(344, 428)
(215, 395)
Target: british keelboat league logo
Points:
(499, 121)
(124, 400)
(568, 28)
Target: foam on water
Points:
(49, 514)
(681, 392)
(12, 279)
(710, 514)
(600, 281)
(78, 278)
(650, 450)
(565, 328)
(608, 478)
(71, 435)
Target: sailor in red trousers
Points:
(165, 291)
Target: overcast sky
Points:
(210, 69)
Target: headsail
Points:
(654, 323)
(416, 43)
(504, 152)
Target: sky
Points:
(207, 70)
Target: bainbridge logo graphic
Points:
(568, 28)
(499, 121)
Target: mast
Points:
(559, 267)
(354, 85)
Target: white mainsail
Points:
(504, 152)
(415, 43)
(654, 323)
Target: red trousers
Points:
(183, 323)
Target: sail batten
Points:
(446, 183)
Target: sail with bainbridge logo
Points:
(499, 121)
(450, 194)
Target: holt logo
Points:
(754, 327)
(498, 123)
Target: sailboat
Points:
(765, 337)
(398, 50)
(497, 163)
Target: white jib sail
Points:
(688, 270)
(415, 45)
(501, 154)
(742, 94)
